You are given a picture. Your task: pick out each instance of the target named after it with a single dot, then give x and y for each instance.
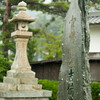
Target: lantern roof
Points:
(22, 16)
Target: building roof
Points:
(46, 61)
(94, 17)
(92, 57)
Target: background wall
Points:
(95, 38)
(50, 69)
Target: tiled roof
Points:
(94, 17)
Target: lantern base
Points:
(30, 95)
(22, 85)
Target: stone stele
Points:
(20, 82)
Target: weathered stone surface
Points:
(11, 80)
(21, 34)
(9, 87)
(22, 87)
(21, 62)
(22, 16)
(21, 74)
(1, 86)
(74, 79)
(25, 94)
(25, 87)
(2, 98)
(29, 81)
(37, 87)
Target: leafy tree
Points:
(31, 48)
(49, 46)
(48, 36)
(4, 65)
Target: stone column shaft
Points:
(21, 61)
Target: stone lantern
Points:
(21, 36)
(20, 82)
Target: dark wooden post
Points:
(74, 78)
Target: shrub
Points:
(53, 86)
(95, 90)
(50, 85)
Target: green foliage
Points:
(17, 1)
(95, 1)
(49, 46)
(48, 30)
(31, 49)
(50, 85)
(56, 7)
(5, 37)
(4, 66)
(96, 4)
(95, 91)
(53, 86)
(2, 11)
(97, 7)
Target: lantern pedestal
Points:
(21, 62)
(22, 85)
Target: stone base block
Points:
(20, 74)
(11, 80)
(37, 87)
(25, 95)
(29, 81)
(24, 87)
(1, 86)
(9, 87)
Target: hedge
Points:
(53, 86)
(95, 90)
(50, 85)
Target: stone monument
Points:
(20, 82)
(74, 78)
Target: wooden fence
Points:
(50, 69)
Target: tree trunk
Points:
(5, 28)
(74, 78)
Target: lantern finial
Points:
(22, 6)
